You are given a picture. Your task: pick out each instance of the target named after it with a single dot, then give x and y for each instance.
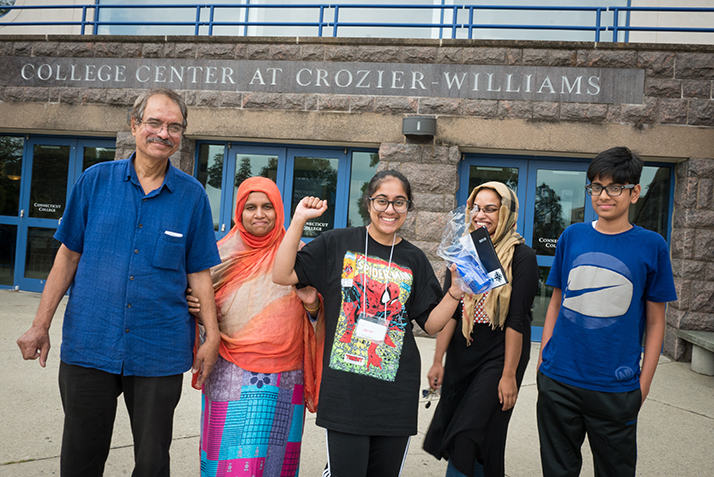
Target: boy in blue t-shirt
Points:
(610, 282)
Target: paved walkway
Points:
(676, 427)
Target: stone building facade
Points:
(670, 119)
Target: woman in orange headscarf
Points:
(254, 401)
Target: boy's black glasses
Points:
(613, 190)
(380, 204)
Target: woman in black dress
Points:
(488, 343)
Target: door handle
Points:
(223, 228)
(22, 213)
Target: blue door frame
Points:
(23, 220)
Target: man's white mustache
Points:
(161, 140)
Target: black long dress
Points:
(468, 423)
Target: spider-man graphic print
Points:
(373, 287)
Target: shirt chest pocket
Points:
(170, 252)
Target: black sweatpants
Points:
(89, 398)
(351, 455)
(566, 413)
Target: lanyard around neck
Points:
(364, 271)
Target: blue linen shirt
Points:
(127, 311)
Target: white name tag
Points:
(369, 330)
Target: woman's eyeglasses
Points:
(380, 204)
(489, 209)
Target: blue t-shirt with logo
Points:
(606, 281)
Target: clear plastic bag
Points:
(457, 247)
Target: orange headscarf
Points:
(264, 326)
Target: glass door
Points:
(338, 175)
(512, 172)
(221, 178)
(556, 199)
(319, 173)
(11, 172)
(47, 170)
(551, 195)
(50, 168)
(245, 162)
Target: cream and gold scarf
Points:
(504, 240)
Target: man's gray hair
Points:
(140, 103)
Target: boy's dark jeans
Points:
(566, 413)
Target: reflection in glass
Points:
(95, 155)
(481, 174)
(542, 298)
(48, 191)
(8, 243)
(364, 166)
(6, 3)
(652, 209)
(10, 174)
(41, 251)
(252, 165)
(171, 14)
(210, 174)
(316, 177)
(539, 17)
(301, 17)
(559, 202)
(425, 18)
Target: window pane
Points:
(364, 166)
(170, 13)
(48, 191)
(315, 176)
(539, 17)
(559, 202)
(252, 165)
(481, 174)
(210, 174)
(652, 209)
(10, 174)
(8, 244)
(41, 251)
(420, 20)
(6, 3)
(542, 298)
(95, 155)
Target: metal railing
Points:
(205, 17)
(659, 29)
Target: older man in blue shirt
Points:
(135, 233)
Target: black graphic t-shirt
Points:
(369, 386)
